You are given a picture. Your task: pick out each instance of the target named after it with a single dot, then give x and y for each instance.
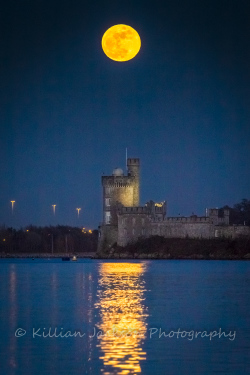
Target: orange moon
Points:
(121, 43)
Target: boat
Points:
(74, 258)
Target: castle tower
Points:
(213, 214)
(133, 165)
(118, 189)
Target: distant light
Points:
(4, 239)
(12, 205)
(90, 231)
(27, 230)
(159, 204)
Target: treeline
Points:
(239, 213)
(59, 239)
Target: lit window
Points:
(107, 202)
(108, 190)
(107, 217)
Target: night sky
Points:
(68, 112)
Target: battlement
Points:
(190, 219)
(133, 161)
(117, 181)
(218, 217)
(133, 210)
(150, 208)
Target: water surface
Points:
(140, 317)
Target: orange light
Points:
(122, 316)
(159, 204)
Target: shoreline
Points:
(246, 257)
(159, 247)
(89, 255)
(125, 256)
(155, 248)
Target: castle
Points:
(124, 220)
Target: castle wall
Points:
(182, 230)
(132, 226)
(130, 230)
(232, 231)
(108, 235)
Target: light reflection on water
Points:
(121, 298)
(123, 316)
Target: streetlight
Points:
(54, 208)
(12, 206)
(78, 210)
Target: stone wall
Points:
(108, 235)
(232, 231)
(182, 230)
(133, 226)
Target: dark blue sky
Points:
(182, 105)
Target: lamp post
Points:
(78, 210)
(12, 206)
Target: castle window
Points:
(133, 220)
(133, 231)
(108, 190)
(107, 202)
(143, 231)
(107, 217)
(125, 231)
(143, 220)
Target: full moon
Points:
(121, 43)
